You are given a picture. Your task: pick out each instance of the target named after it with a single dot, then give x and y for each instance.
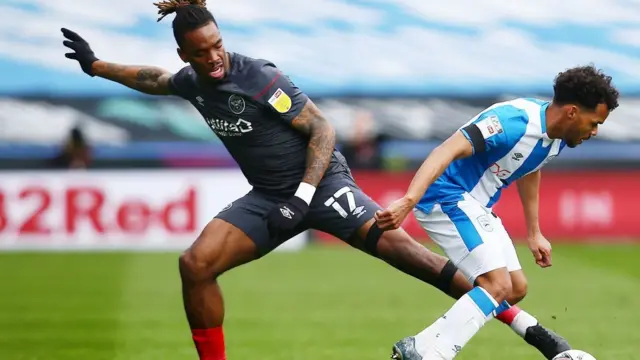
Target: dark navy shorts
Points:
(339, 207)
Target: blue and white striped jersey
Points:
(509, 141)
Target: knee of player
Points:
(502, 289)
(195, 267)
(518, 291)
(497, 283)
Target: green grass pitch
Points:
(322, 303)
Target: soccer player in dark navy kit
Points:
(285, 148)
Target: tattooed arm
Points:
(298, 111)
(147, 79)
(309, 121)
(322, 140)
(279, 94)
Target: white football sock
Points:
(522, 322)
(465, 318)
(518, 319)
(427, 336)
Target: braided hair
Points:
(190, 15)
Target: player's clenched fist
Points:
(288, 215)
(82, 51)
(541, 249)
(393, 216)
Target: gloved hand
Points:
(82, 52)
(288, 215)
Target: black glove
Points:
(286, 216)
(83, 52)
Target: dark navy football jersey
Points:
(251, 111)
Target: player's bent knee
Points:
(220, 247)
(497, 283)
(519, 288)
(194, 267)
(518, 293)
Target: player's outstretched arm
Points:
(322, 141)
(455, 147)
(146, 79)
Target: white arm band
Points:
(305, 192)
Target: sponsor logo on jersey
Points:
(225, 128)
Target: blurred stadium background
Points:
(90, 165)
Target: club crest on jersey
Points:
(236, 104)
(280, 101)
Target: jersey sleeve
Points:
(486, 133)
(278, 93)
(182, 82)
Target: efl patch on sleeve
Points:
(280, 101)
(490, 126)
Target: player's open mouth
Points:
(217, 72)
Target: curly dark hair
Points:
(190, 15)
(585, 86)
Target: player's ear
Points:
(572, 111)
(182, 55)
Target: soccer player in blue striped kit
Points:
(454, 190)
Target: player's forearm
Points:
(147, 79)
(322, 142)
(529, 191)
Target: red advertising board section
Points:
(142, 210)
(574, 206)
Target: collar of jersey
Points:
(543, 118)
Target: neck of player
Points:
(553, 118)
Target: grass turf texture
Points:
(322, 303)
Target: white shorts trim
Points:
(471, 236)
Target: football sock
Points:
(426, 337)
(518, 319)
(209, 343)
(454, 330)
